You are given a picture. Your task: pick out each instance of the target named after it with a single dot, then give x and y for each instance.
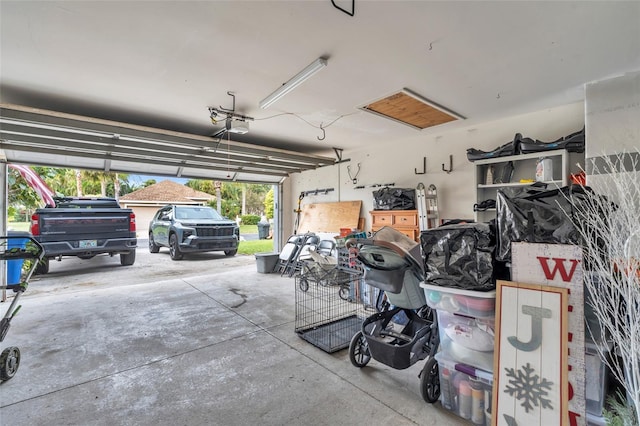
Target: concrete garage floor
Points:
(204, 341)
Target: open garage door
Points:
(41, 137)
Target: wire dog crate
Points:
(329, 307)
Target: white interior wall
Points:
(396, 161)
(613, 115)
(613, 125)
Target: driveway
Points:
(105, 271)
(202, 341)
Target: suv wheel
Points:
(174, 248)
(153, 248)
(230, 252)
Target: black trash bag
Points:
(572, 143)
(394, 199)
(535, 214)
(460, 256)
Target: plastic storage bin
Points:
(464, 390)
(467, 340)
(595, 420)
(266, 262)
(595, 380)
(478, 304)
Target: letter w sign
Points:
(559, 267)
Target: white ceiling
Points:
(161, 64)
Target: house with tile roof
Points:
(146, 201)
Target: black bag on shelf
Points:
(484, 205)
(535, 214)
(509, 148)
(572, 143)
(460, 256)
(394, 199)
(506, 173)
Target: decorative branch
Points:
(610, 231)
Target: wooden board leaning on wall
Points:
(329, 217)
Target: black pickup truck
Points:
(85, 227)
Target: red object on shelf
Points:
(578, 178)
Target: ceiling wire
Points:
(321, 127)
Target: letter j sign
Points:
(530, 366)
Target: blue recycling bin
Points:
(14, 267)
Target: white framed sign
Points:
(530, 363)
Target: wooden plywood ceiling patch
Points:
(411, 109)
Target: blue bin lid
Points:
(18, 234)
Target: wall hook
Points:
(450, 165)
(351, 12)
(424, 167)
(354, 179)
(324, 134)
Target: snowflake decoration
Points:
(527, 386)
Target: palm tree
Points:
(79, 182)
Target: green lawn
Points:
(252, 247)
(248, 229)
(257, 246)
(18, 226)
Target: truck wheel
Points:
(128, 259)
(43, 267)
(153, 248)
(174, 248)
(230, 252)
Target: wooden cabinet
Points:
(405, 221)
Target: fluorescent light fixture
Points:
(296, 81)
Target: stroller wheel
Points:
(430, 381)
(9, 363)
(359, 350)
(304, 284)
(343, 293)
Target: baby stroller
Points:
(22, 253)
(393, 264)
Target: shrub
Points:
(250, 219)
(268, 204)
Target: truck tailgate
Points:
(84, 224)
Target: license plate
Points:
(87, 243)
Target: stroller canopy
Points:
(387, 256)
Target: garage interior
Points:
(178, 89)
